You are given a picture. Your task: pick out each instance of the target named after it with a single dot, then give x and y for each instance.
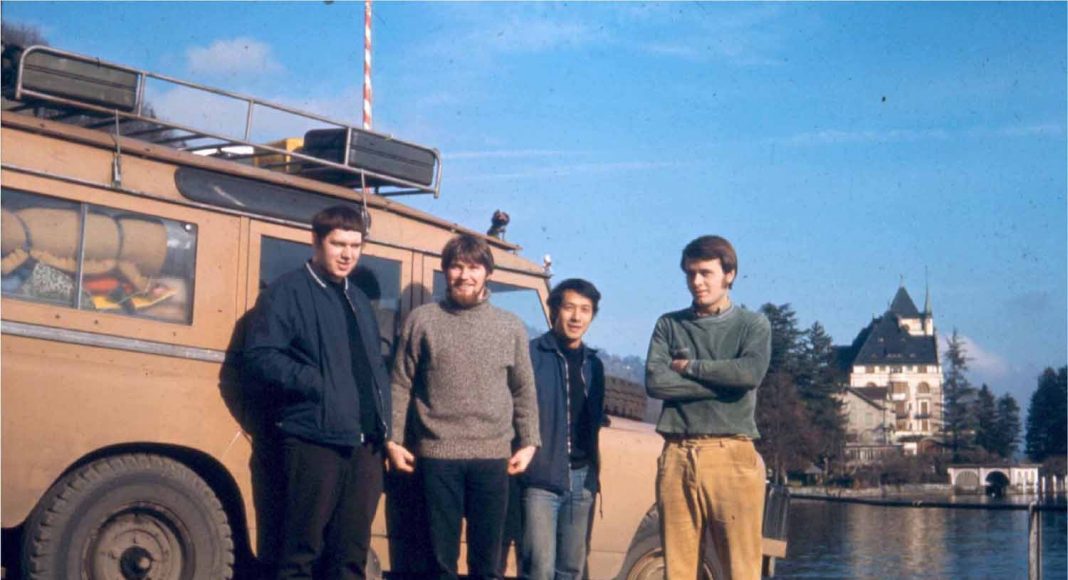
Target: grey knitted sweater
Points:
(463, 378)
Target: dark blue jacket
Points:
(550, 468)
(297, 343)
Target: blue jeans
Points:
(555, 526)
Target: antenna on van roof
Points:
(77, 89)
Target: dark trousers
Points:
(331, 495)
(475, 489)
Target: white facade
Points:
(914, 392)
(899, 353)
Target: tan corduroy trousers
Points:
(716, 482)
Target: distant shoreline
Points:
(928, 495)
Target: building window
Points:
(895, 369)
(899, 388)
(869, 369)
(97, 258)
(921, 368)
(923, 389)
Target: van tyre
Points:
(136, 516)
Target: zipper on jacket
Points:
(374, 391)
(567, 405)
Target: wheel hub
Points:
(135, 544)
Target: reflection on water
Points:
(840, 540)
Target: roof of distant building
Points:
(903, 306)
(887, 343)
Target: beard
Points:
(467, 299)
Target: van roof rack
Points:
(62, 86)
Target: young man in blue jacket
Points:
(313, 339)
(560, 484)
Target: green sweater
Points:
(463, 379)
(716, 394)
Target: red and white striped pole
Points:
(367, 94)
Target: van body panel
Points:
(65, 401)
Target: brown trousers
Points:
(718, 483)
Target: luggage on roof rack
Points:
(376, 153)
(81, 79)
(67, 87)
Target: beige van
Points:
(132, 247)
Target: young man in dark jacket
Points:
(560, 484)
(314, 339)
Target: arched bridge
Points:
(994, 477)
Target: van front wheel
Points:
(129, 517)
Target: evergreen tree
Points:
(1008, 430)
(986, 420)
(785, 338)
(787, 434)
(1047, 416)
(820, 385)
(957, 421)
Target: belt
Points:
(684, 437)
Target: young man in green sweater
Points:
(463, 377)
(705, 362)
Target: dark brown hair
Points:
(582, 287)
(711, 248)
(467, 248)
(338, 217)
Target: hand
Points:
(400, 458)
(519, 462)
(679, 365)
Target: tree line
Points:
(979, 427)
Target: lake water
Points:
(840, 540)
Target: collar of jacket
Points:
(318, 277)
(548, 342)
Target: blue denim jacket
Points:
(551, 466)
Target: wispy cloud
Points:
(988, 365)
(536, 34)
(233, 57)
(839, 136)
(507, 154)
(484, 30)
(1038, 130)
(742, 36)
(834, 136)
(553, 171)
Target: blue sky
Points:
(840, 146)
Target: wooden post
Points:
(1034, 542)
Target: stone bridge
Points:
(994, 477)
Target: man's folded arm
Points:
(745, 372)
(661, 382)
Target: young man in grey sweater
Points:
(705, 362)
(463, 376)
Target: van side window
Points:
(97, 258)
(378, 278)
